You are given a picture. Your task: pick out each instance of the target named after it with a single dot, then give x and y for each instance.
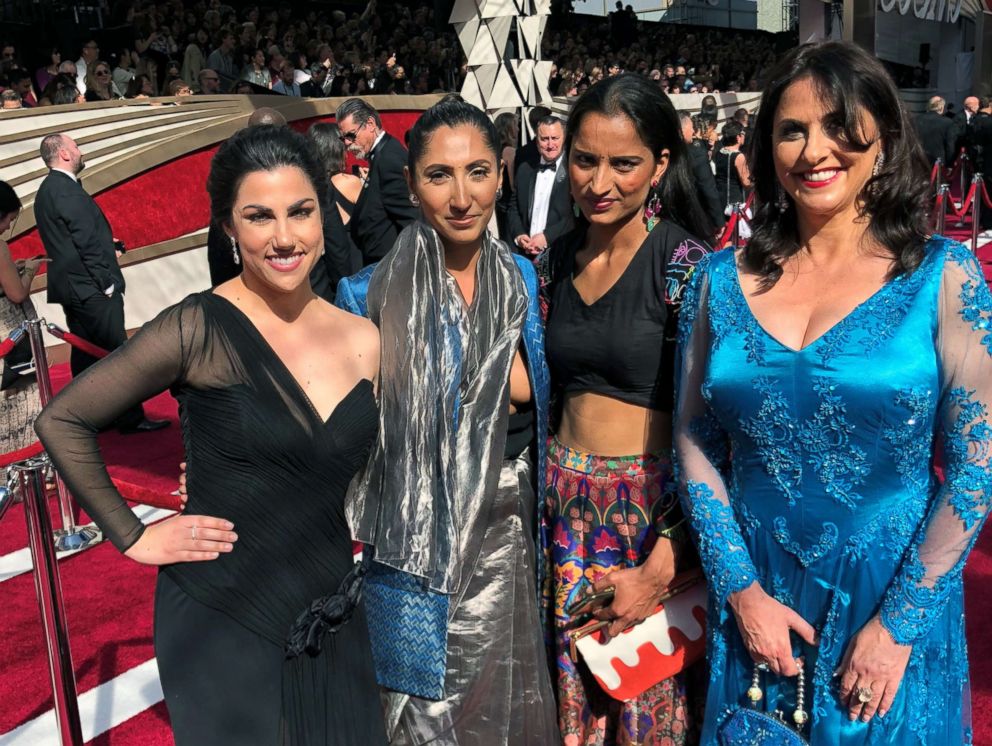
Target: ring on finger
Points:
(864, 694)
(193, 532)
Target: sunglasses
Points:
(350, 136)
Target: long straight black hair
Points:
(896, 200)
(658, 126)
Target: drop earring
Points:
(235, 252)
(415, 200)
(653, 208)
(499, 194)
(576, 210)
(879, 162)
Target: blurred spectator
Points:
(68, 67)
(508, 129)
(10, 99)
(209, 82)
(194, 56)
(221, 60)
(98, 82)
(20, 83)
(68, 94)
(90, 53)
(140, 87)
(60, 81)
(45, 73)
(256, 71)
(347, 188)
(287, 84)
(314, 87)
(243, 88)
(179, 87)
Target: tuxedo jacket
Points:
(77, 239)
(936, 134)
(560, 217)
(383, 208)
(705, 182)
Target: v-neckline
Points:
(610, 289)
(739, 286)
(289, 374)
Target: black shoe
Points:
(144, 426)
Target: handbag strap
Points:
(755, 694)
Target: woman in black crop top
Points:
(614, 285)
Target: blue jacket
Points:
(351, 296)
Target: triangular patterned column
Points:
(502, 41)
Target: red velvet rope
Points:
(6, 459)
(728, 231)
(78, 342)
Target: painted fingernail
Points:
(228, 547)
(234, 537)
(214, 555)
(881, 713)
(865, 718)
(228, 525)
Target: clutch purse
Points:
(408, 632)
(664, 644)
(753, 727)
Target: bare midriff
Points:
(601, 425)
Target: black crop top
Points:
(623, 345)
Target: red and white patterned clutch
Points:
(664, 644)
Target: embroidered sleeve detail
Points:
(726, 561)
(932, 568)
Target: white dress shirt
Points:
(543, 185)
(81, 75)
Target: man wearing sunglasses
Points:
(383, 208)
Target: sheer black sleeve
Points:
(152, 361)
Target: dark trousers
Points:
(100, 320)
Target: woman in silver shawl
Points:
(447, 505)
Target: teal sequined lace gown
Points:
(811, 471)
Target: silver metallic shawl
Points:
(443, 395)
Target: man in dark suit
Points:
(528, 151)
(981, 137)
(383, 208)
(540, 209)
(702, 174)
(83, 276)
(936, 132)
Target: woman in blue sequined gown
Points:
(825, 368)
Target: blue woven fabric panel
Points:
(753, 728)
(408, 628)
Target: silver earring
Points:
(879, 162)
(499, 194)
(235, 253)
(781, 201)
(415, 200)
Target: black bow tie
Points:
(549, 166)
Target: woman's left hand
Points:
(637, 590)
(873, 661)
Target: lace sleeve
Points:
(146, 365)
(701, 451)
(932, 567)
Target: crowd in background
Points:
(180, 48)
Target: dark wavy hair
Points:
(895, 201)
(260, 148)
(657, 124)
(450, 112)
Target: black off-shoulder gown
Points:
(267, 644)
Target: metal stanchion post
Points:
(736, 216)
(943, 194)
(976, 211)
(70, 536)
(49, 588)
(964, 181)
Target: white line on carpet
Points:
(19, 562)
(100, 709)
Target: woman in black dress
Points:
(259, 631)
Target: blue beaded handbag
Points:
(408, 632)
(749, 726)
